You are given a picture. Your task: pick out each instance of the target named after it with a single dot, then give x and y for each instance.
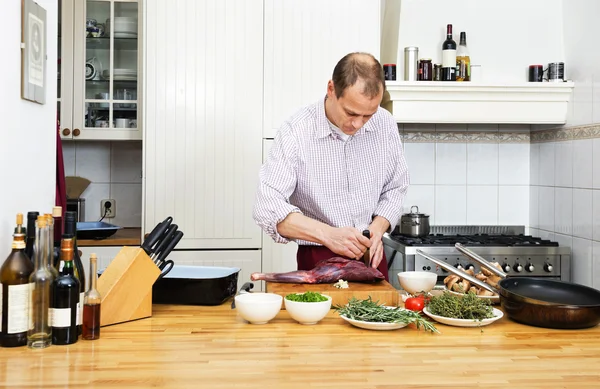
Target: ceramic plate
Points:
(369, 325)
(493, 299)
(465, 322)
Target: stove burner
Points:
(474, 240)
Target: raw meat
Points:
(325, 272)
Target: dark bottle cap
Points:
(70, 224)
(463, 38)
(367, 234)
(31, 215)
(449, 29)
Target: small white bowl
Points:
(308, 313)
(258, 308)
(417, 281)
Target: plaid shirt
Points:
(311, 170)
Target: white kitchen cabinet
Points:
(99, 70)
(304, 39)
(104, 254)
(203, 123)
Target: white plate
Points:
(369, 325)
(493, 299)
(465, 322)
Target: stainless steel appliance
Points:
(77, 205)
(518, 254)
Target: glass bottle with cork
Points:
(463, 60)
(65, 298)
(40, 331)
(15, 291)
(30, 239)
(91, 305)
(71, 232)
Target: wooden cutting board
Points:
(382, 291)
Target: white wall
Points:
(27, 145)
(505, 37)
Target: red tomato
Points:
(415, 304)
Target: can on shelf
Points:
(411, 55)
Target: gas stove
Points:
(517, 253)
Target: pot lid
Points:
(414, 212)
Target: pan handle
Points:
(480, 260)
(459, 272)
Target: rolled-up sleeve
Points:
(277, 181)
(397, 181)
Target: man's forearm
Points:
(299, 226)
(379, 224)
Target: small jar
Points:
(426, 69)
(437, 72)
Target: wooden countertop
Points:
(123, 237)
(211, 347)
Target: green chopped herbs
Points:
(368, 310)
(306, 297)
(467, 306)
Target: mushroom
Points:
(470, 272)
(474, 290)
(452, 282)
(481, 277)
(493, 280)
(450, 277)
(485, 292)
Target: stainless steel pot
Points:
(414, 224)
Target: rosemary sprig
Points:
(467, 306)
(371, 311)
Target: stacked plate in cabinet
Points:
(121, 74)
(124, 27)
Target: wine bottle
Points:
(71, 232)
(30, 239)
(15, 291)
(449, 56)
(40, 331)
(463, 61)
(65, 298)
(91, 305)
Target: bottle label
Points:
(19, 297)
(61, 317)
(449, 58)
(50, 316)
(80, 309)
(1, 304)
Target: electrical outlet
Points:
(108, 208)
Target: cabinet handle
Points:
(66, 132)
(76, 132)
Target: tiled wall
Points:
(115, 170)
(468, 174)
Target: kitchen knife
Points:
(170, 246)
(155, 235)
(164, 241)
(367, 254)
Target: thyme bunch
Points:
(467, 306)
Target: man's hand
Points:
(377, 228)
(346, 241)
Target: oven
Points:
(518, 254)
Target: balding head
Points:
(358, 66)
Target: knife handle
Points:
(367, 255)
(164, 240)
(156, 233)
(172, 243)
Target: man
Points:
(335, 169)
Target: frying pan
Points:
(536, 301)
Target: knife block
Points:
(126, 287)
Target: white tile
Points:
(582, 213)
(93, 195)
(93, 161)
(128, 198)
(596, 214)
(534, 166)
(482, 205)
(514, 163)
(563, 165)
(513, 205)
(583, 163)
(451, 164)
(450, 127)
(563, 211)
(534, 193)
(420, 158)
(479, 127)
(68, 149)
(546, 164)
(450, 204)
(596, 265)
(126, 162)
(546, 208)
(419, 127)
(596, 163)
(582, 103)
(581, 261)
(423, 196)
(482, 164)
(523, 128)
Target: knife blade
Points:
(169, 247)
(155, 235)
(367, 255)
(164, 241)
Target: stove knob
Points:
(530, 268)
(548, 267)
(506, 267)
(518, 268)
(459, 266)
(470, 266)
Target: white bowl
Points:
(308, 313)
(258, 308)
(417, 281)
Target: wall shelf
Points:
(465, 102)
